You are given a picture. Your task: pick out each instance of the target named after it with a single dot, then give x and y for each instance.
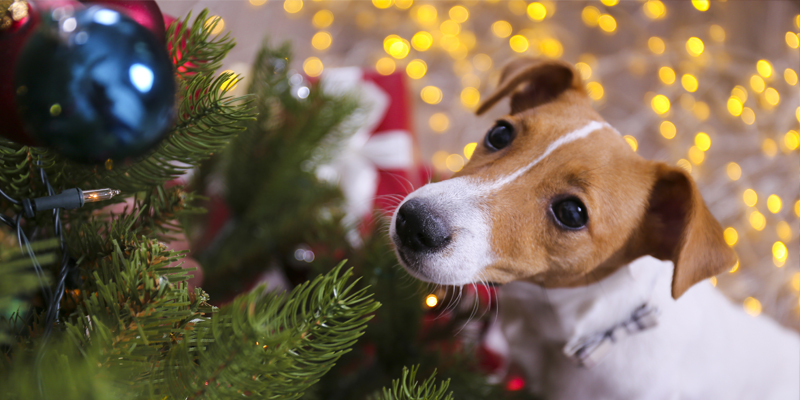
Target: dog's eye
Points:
(499, 136)
(571, 213)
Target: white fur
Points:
(459, 201)
(704, 346)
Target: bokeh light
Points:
(431, 94)
(312, 66)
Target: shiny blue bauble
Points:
(94, 85)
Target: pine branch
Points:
(407, 388)
(18, 280)
(271, 345)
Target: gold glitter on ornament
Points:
(109, 164)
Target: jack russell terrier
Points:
(604, 256)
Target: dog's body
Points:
(557, 205)
(703, 346)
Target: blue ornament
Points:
(93, 84)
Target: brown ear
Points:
(532, 82)
(678, 227)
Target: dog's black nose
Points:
(419, 227)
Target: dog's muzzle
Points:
(420, 229)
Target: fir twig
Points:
(407, 388)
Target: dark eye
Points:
(499, 136)
(570, 212)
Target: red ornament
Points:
(12, 40)
(145, 12)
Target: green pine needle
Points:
(407, 388)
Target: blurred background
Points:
(709, 86)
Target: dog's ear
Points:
(532, 82)
(678, 227)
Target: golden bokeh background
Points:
(710, 86)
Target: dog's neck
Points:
(569, 315)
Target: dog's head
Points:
(555, 196)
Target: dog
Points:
(604, 257)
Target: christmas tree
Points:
(95, 303)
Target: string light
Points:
(791, 140)
(431, 300)
(660, 104)
(701, 5)
(689, 82)
(450, 27)
(784, 231)
(396, 46)
(482, 62)
(654, 9)
(668, 129)
(779, 254)
(797, 208)
(758, 221)
(696, 155)
(739, 92)
(459, 14)
(796, 281)
(607, 23)
(609, 3)
(757, 83)
(792, 40)
(425, 14)
(431, 94)
(771, 96)
(734, 171)
(501, 29)
(748, 116)
(595, 90)
(229, 83)
(439, 122)
(667, 75)
(735, 268)
(454, 162)
(385, 66)
(752, 306)
(764, 68)
(631, 142)
(656, 45)
(322, 19)
(731, 236)
(694, 46)
(702, 141)
(469, 149)
(470, 97)
(518, 43)
(717, 33)
(403, 4)
(536, 11)
(790, 76)
(293, 6)
(321, 40)
(218, 28)
(769, 147)
(422, 40)
(416, 69)
(774, 203)
(382, 4)
(439, 160)
(735, 106)
(750, 197)
(312, 66)
(258, 2)
(584, 69)
(590, 16)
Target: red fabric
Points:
(392, 183)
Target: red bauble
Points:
(145, 12)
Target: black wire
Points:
(7, 220)
(9, 198)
